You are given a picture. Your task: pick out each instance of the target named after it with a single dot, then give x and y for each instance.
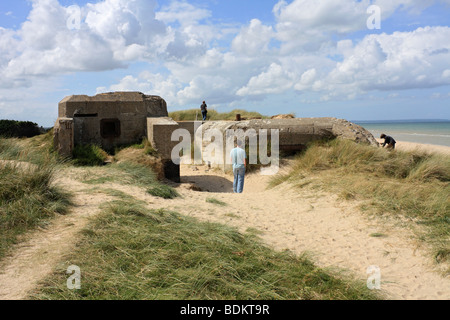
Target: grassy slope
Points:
(130, 252)
(409, 184)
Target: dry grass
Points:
(408, 184)
(28, 199)
(213, 115)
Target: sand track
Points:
(36, 257)
(333, 232)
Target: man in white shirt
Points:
(238, 159)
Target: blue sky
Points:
(314, 58)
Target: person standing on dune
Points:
(204, 109)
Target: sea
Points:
(435, 132)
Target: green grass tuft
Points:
(216, 202)
(28, 200)
(89, 155)
(163, 191)
(132, 253)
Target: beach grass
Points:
(89, 155)
(163, 191)
(145, 145)
(413, 184)
(129, 252)
(213, 115)
(216, 201)
(28, 196)
(28, 199)
(37, 150)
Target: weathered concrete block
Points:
(63, 136)
(159, 133)
(294, 134)
(190, 126)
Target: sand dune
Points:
(331, 231)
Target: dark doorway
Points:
(110, 128)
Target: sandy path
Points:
(36, 257)
(333, 232)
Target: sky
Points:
(355, 60)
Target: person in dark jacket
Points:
(389, 141)
(204, 109)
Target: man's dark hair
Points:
(383, 136)
(238, 143)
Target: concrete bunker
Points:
(123, 118)
(115, 119)
(294, 134)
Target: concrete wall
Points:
(63, 134)
(159, 133)
(294, 134)
(190, 126)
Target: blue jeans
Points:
(238, 184)
(204, 115)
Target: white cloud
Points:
(400, 61)
(149, 83)
(314, 55)
(111, 33)
(129, 19)
(275, 80)
(9, 45)
(388, 7)
(446, 74)
(187, 36)
(321, 16)
(306, 80)
(254, 39)
(182, 12)
(307, 24)
(217, 90)
(379, 62)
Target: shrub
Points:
(18, 129)
(89, 155)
